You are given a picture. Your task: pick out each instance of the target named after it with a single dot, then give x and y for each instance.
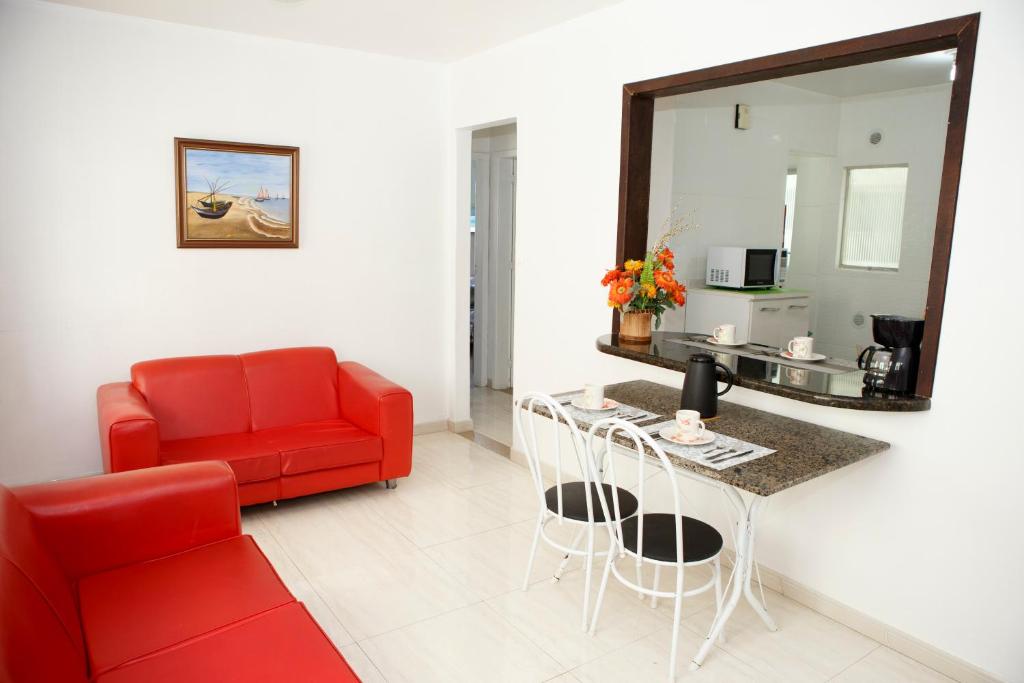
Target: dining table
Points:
(802, 451)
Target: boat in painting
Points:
(216, 210)
(262, 195)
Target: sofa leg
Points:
(274, 503)
(391, 483)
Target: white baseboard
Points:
(430, 427)
(893, 638)
(459, 426)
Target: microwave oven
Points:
(743, 267)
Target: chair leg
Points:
(589, 559)
(604, 585)
(565, 559)
(676, 616)
(718, 594)
(657, 582)
(533, 552)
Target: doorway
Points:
(492, 281)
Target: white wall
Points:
(924, 537)
(913, 124)
(90, 279)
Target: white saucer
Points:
(609, 404)
(670, 433)
(813, 358)
(712, 340)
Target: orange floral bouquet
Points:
(647, 286)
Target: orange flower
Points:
(620, 292)
(633, 266)
(679, 295)
(611, 276)
(664, 254)
(650, 291)
(665, 280)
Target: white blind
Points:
(873, 217)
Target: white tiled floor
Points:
(422, 583)
(491, 412)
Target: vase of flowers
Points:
(643, 290)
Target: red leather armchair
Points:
(289, 422)
(145, 576)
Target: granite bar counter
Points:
(804, 451)
(669, 350)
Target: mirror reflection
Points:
(816, 199)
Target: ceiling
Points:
(433, 30)
(878, 77)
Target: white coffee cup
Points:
(725, 334)
(689, 425)
(801, 347)
(593, 395)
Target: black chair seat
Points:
(574, 501)
(700, 540)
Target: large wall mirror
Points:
(834, 170)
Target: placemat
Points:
(589, 417)
(832, 366)
(696, 453)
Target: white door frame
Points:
(457, 305)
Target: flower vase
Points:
(635, 326)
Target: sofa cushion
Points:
(323, 445)
(195, 396)
(140, 609)
(22, 547)
(283, 645)
(289, 386)
(251, 458)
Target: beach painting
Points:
(233, 194)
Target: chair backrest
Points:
(195, 396)
(527, 419)
(607, 429)
(40, 632)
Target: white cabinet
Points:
(764, 318)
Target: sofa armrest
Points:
(129, 434)
(99, 523)
(381, 407)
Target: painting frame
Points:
(185, 240)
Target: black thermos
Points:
(700, 387)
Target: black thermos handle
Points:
(861, 362)
(728, 378)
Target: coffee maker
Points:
(892, 367)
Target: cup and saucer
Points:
(688, 430)
(802, 348)
(593, 400)
(725, 335)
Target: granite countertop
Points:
(804, 451)
(811, 386)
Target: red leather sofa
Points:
(145, 576)
(289, 422)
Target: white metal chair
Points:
(567, 502)
(662, 539)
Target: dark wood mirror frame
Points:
(638, 119)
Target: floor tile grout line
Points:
(311, 584)
(376, 667)
(868, 654)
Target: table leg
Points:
(741, 575)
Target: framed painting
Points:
(234, 194)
